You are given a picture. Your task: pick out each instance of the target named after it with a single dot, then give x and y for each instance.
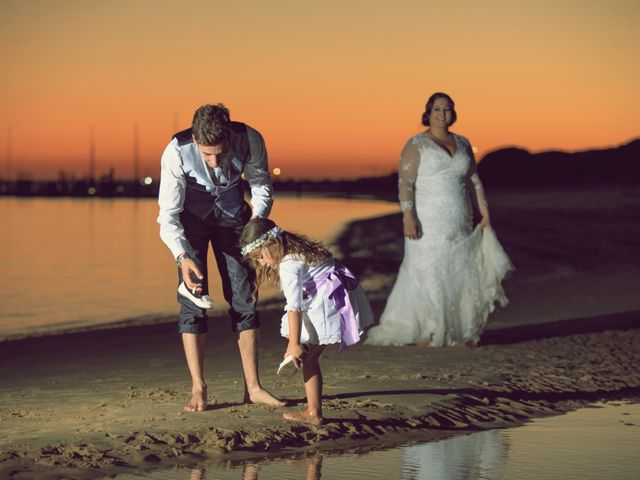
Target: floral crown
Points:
(249, 247)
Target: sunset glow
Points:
(335, 87)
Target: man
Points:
(201, 202)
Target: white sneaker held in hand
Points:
(202, 301)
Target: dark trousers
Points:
(237, 276)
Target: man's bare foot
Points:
(263, 397)
(198, 401)
(303, 417)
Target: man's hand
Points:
(297, 352)
(412, 228)
(189, 267)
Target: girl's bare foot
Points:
(263, 397)
(303, 417)
(198, 401)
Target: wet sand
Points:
(87, 404)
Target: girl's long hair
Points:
(301, 247)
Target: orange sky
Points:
(335, 87)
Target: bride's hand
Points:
(412, 228)
(485, 222)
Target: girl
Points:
(325, 303)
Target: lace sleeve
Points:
(476, 183)
(407, 173)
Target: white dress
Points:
(320, 319)
(450, 278)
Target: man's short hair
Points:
(211, 124)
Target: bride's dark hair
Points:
(429, 106)
(287, 243)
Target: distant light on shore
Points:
(91, 191)
(147, 180)
(277, 171)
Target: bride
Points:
(451, 274)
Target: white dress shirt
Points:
(173, 184)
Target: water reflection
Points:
(307, 468)
(588, 443)
(85, 262)
(477, 456)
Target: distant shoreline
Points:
(504, 168)
(372, 187)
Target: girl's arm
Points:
(291, 273)
(294, 348)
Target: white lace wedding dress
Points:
(450, 278)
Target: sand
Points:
(109, 400)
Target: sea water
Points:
(70, 263)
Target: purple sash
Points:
(336, 284)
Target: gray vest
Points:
(202, 196)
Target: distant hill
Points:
(519, 168)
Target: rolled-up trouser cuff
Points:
(192, 324)
(244, 322)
